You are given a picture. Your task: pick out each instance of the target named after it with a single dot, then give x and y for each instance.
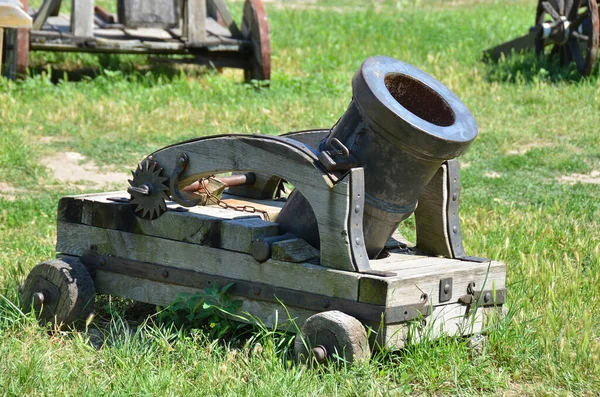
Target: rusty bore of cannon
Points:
(401, 125)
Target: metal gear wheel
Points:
(148, 190)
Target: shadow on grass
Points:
(526, 68)
(79, 67)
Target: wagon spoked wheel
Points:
(568, 29)
(332, 335)
(60, 291)
(255, 29)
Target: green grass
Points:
(537, 123)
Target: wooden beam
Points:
(194, 22)
(75, 239)
(227, 18)
(44, 12)
(82, 18)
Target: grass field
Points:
(531, 198)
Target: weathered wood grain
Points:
(270, 314)
(74, 239)
(409, 285)
(44, 12)
(285, 159)
(194, 22)
(227, 18)
(148, 13)
(82, 18)
(431, 216)
(296, 251)
(237, 235)
(445, 320)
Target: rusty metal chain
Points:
(241, 208)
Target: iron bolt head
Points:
(320, 353)
(487, 298)
(454, 229)
(358, 241)
(454, 196)
(257, 291)
(38, 298)
(165, 274)
(446, 288)
(325, 303)
(357, 209)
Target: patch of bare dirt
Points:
(523, 149)
(7, 191)
(593, 177)
(73, 168)
(492, 174)
(45, 140)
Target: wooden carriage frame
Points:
(206, 35)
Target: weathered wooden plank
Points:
(271, 207)
(448, 320)
(161, 294)
(74, 239)
(227, 18)
(44, 12)
(296, 250)
(215, 28)
(431, 216)
(285, 159)
(148, 13)
(408, 288)
(148, 33)
(237, 235)
(82, 18)
(194, 23)
(207, 225)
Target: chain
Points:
(242, 208)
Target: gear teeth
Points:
(153, 206)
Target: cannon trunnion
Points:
(330, 252)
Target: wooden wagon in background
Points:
(202, 32)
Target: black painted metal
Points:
(445, 289)
(400, 126)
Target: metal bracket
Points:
(181, 165)
(484, 298)
(355, 225)
(401, 314)
(445, 289)
(338, 158)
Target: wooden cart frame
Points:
(206, 35)
(333, 291)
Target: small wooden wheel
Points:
(568, 29)
(332, 334)
(61, 291)
(255, 28)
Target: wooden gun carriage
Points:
(566, 30)
(202, 32)
(154, 242)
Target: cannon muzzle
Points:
(401, 125)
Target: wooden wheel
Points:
(568, 29)
(255, 28)
(61, 291)
(332, 334)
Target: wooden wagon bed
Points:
(205, 34)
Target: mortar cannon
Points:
(329, 252)
(401, 125)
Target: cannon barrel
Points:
(400, 126)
